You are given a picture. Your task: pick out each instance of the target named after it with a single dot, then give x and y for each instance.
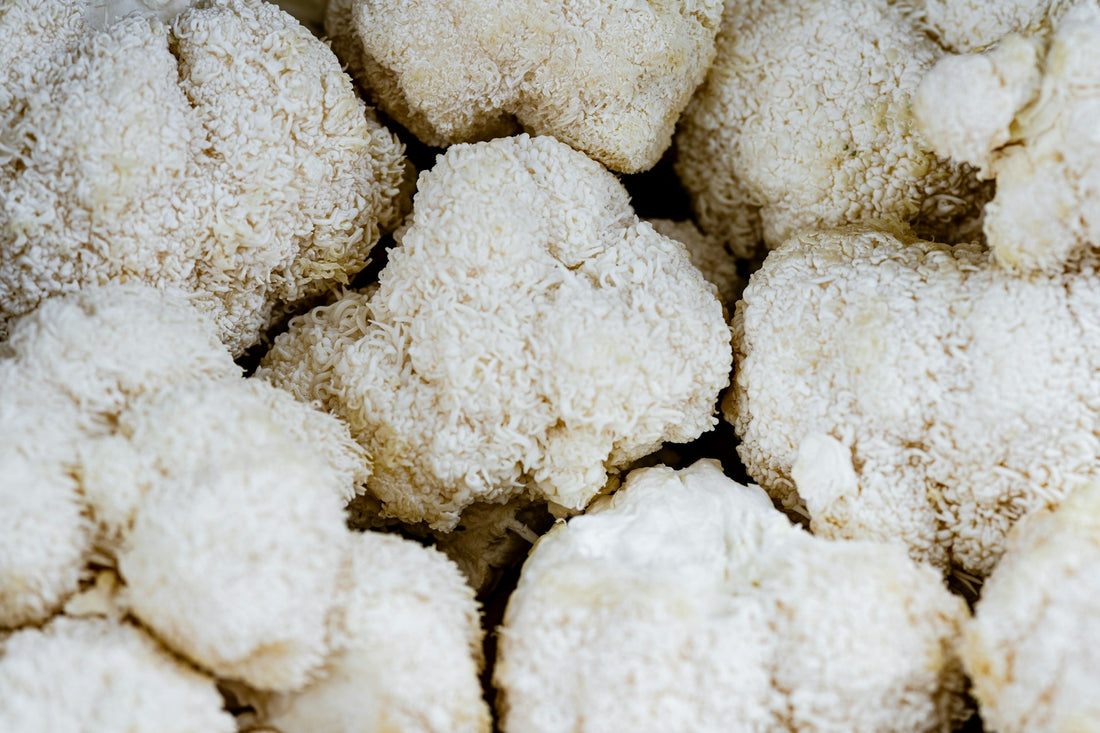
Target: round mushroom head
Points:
(529, 335)
(409, 655)
(916, 393)
(235, 548)
(608, 78)
(66, 372)
(140, 150)
(685, 602)
(804, 121)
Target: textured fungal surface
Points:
(409, 654)
(105, 346)
(131, 442)
(66, 371)
(234, 550)
(44, 534)
(76, 675)
(609, 78)
(972, 25)
(528, 335)
(141, 149)
(916, 392)
(707, 253)
(736, 368)
(1032, 647)
(1025, 112)
(804, 121)
(686, 602)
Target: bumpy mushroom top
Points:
(1025, 112)
(916, 392)
(66, 372)
(609, 78)
(529, 335)
(686, 602)
(234, 548)
(409, 650)
(804, 121)
(222, 151)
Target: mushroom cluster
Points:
(722, 366)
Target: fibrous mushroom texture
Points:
(409, 650)
(686, 602)
(78, 675)
(45, 535)
(1025, 112)
(709, 254)
(66, 372)
(1033, 645)
(130, 437)
(971, 25)
(222, 151)
(105, 346)
(609, 78)
(529, 335)
(804, 120)
(916, 392)
(219, 421)
(235, 546)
